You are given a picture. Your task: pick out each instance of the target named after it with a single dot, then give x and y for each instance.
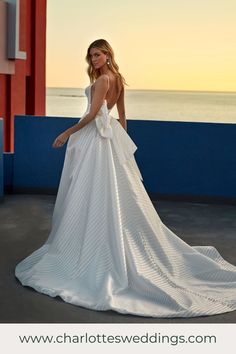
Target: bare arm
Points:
(101, 88)
(121, 109)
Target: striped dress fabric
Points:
(108, 248)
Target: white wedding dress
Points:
(108, 248)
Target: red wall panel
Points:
(24, 92)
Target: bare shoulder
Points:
(102, 80)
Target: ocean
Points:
(191, 106)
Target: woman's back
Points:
(114, 90)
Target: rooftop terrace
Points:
(25, 222)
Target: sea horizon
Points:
(174, 90)
(150, 104)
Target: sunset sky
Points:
(159, 45)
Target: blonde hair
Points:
(105, 47)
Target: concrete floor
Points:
(25, 222)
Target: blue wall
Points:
(8, 160)
(186, 158)
(175, 158)
(37, 166)
(1, 161)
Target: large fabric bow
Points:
(109, 128)
(103, 122)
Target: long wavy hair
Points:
(105, 47)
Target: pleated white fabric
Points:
(108, 248)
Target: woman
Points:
(108, 248)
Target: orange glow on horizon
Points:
(170, 46)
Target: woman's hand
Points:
(60, 140)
